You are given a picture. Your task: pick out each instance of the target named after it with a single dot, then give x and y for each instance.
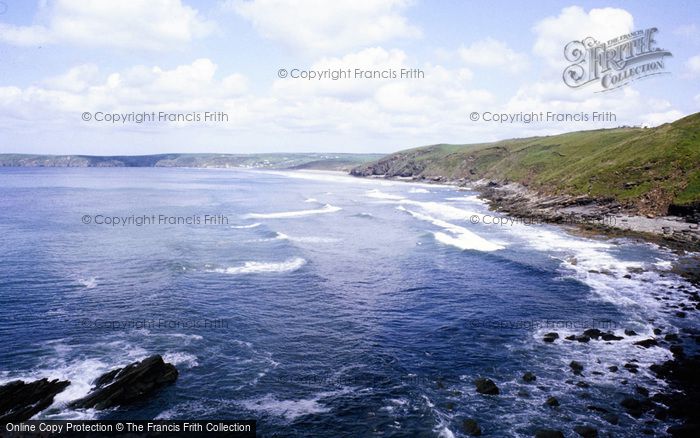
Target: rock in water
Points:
(486, 386)
(586, 431)
(529, 377)
(471, 427)
(548, 433)
(19, 401)
(123, 386)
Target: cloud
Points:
(322, 26)
(494, 54)
(692, 66)
(134, 24)
(574, 23)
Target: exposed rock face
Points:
(123, 386)
(548, 433)
(19, 401)
(471, 427)
(486, 386)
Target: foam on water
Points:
(292, 409)
(262, 267)
(88, 283)
(293, 214)
(418, 190)
(461, 237)
(306, 239)
(240, 227)
(376, 194)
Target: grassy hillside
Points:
(649, 169)
(320, 161)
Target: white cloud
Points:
(495, 54)
(574, 23)
(655, 119)
(327, 26)
(692, 65)
(138, 24)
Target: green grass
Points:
(650, 168)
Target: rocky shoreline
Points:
(583, 214)
(20, 401)
(679, 403)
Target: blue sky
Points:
(63, 58)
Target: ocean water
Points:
(325, 306)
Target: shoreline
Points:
(586, 217)
(579, 214)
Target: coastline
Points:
(587, 217)
(579, 214)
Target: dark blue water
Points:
(325, 306)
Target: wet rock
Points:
(523, 393)
(582, 384)
(548, 433)
(570, 338)
(642, 390)
(586, 431)
(681, 314)
(631, 367)
(636, 407)
(486, 386)
(550, 337)
(613, 369)
(471, 427)
(595, 408)
(529, 377)
(657, 331)
(19, 401)
(124, 386)
(671, 337)
(576, 367)
(592, 333)
(629, 332)
(611, 418)
(684, 430)
(677, 351)
(646, 343)
(582, 338)
(610, 337)
(552, 402)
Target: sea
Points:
(321, 304)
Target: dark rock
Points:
(646, 343)
(570, 338)
(681, 314)
(548, 433)
(677, 350)
(471, 427)
(596, 408)
(671, 337)
(129, 384)
(550, 337)
(529, 377)
(629, 332)
(582, 384)
(582, 338)
(613, 369)
(523, 393)
(576, 367)
(642, 390)
(635, 407)
(19, 401)
(552, 401)
(486, 386)
(657, 331)
(592, 333)
(632, 368)
(586, 431)
(610, 337)
(611, 418)
(687, 430)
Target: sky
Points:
(71, 70)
